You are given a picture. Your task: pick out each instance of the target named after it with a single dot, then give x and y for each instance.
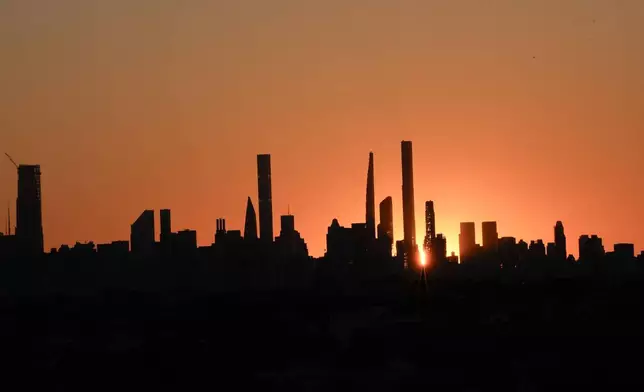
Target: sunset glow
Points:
(423, 258)
(134, 105)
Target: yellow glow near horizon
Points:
(423, 258)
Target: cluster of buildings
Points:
(227, 243)
(365, 244)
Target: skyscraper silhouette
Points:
(467, 240)
(438, 247)
(250, 225)
(409, 220)
(290, 242)
(560, 241)
(29, 232)
(624, 251)
(370, 213)
(591, 248)
(430, 225)
(490, 236)
(386, 225)
(265, 197)
(166, 226)
(142, 233)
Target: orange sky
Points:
(524, 112)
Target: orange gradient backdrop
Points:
(522, 112)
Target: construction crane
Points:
(11, 159)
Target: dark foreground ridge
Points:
(399, 333)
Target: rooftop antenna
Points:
(8, 219)
(11, 159)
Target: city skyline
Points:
(322, 194)
(149, 106)
(143, 235)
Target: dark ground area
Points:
(565, 335)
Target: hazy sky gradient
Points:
(525, 112)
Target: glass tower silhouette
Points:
(386, 225)
(166, 225)
(409, 220)
(142, 233)
(430, 225)
(467, 240)
(560, 241)
(370, 211)
(29, 230)
(250, 225)
(490, 236)
(265, 197)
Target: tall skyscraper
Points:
(29, 232)
(386, 225)
(490, 237)
(265, 197)
(250, 225)
(560, 242)
(430, 225)
(409, 220)
(467, 240)
(370, 216)
(142, 233)
(287, 224)
(166, 226)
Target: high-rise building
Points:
(560, 242)
(430, 225)
(591, 248)
(490, 237)
(438, 250)
(401, 253)
(508, 252)
(265, 197)
(409, 220)
(142, 237)
(551, 250)
(339, 244)
(185, 242)
(287, 224)
(467, 241)
(370, 210)
(166, 226)
(290, 242)
(386, 225)
(624, 251)
(29, 232)
(537, 250)
(250, 225)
